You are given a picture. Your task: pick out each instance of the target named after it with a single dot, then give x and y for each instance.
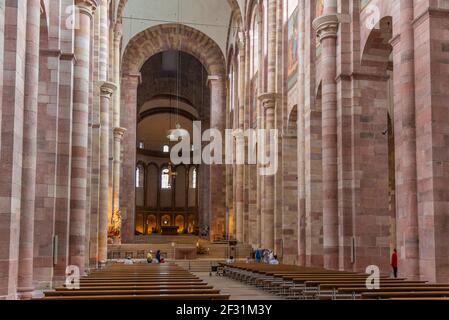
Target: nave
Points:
(258, 281)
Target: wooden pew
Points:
(405, 294)
(82, 292)
(142, 282)
(181, 297)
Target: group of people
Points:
(157, 259)
(150, 259)
(260, 256)
(265, 256)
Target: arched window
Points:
(265, 28)
(166, 149)
(139, 176)
(231, 88)
(194, 179)
(165, 179)
(255, 44)
(141, 145)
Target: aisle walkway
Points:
(237, 290)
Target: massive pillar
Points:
(240, 150)
(268, 198)
(127, 194)
(326, 27)
(301, 137)
(78, 203)
(63, 161)
(268, 100)
(25, 277)
(11, 144)
(2, 47)
(217, 177)
(118, 131)
(405, 137)
(106, 92)
(246, 98)
(431, 54)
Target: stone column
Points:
(78, 201)
(248, 233)
(268, 100)
(118, 138)
(2, 47)
(405, 129)
(217, 171)
(106, 92)
(127, 193)
(240, 143)
(326, 27)
(107, 89)
(301, 136)
(12, 109)
(118, 132)
(25, 278)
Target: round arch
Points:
(160, 38)
(140, 48)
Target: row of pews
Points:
(293, 282)
(139, 282)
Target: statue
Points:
(115, 227)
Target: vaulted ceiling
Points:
(208, 16)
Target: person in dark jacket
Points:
(158, 256)
(394, 262)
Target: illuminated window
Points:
(165, 179)
(194, 178)
(166, 149)
(141, 145)
(231, 89)
(255, 36)
(139, 177)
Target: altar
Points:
(169, 230)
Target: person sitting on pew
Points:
(129, 260)
(274, 260)
(231, 260)
(258, 255)
(150, 257)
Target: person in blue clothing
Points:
(258, 255)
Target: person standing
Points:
(394, 263)
(150, 257)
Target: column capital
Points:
(119, 132)
(68, 56)
(51, 53)
(118, 31)
(87, 7)
(107, 89)
(326, 26)
(269, 97)
(214, 78)
(241, 40)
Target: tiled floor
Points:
(237, 290)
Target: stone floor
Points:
(237, 290)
